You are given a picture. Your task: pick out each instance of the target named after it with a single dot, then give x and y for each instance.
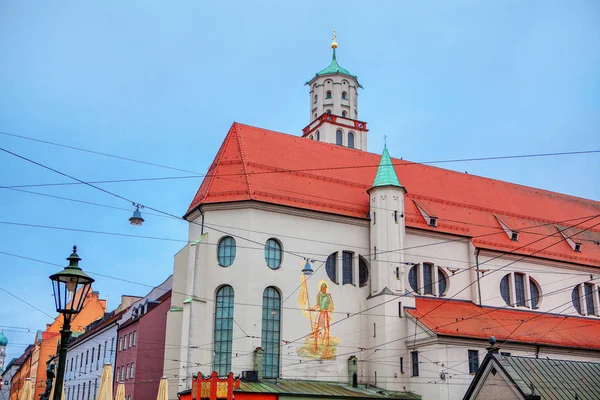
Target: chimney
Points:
(352, 371)
(258, 363)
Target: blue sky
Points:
(163, 81)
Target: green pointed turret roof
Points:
(334, 68)
(386, 174)
(3, 339)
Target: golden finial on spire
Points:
(333, 42)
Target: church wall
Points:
(249, 276)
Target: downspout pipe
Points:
(477, 269)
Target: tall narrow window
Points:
(413, 278)
(270, 337)
(328, 94)
(339, 137)
(589, 298)
(363, 272)
(331, 267)
(273, 253)
(315, 99)
(427, 278)
(344, 96)
(401, 365)
(351, 140)
(226, 251)
(414, 359)
(504, 289)
(347, 275)
(473, 361)
(344, 114)
(534, 294)
(520, 289)
(223, 332)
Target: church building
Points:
(328, 263)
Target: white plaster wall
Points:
(78, 376)
(378, 349)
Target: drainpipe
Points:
(477, 269)
(202, 223)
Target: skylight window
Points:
(512, 234)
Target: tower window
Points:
(328, 94)
(344, 114)
(315, 116)
(316, 98)
(318, 135)
(344, 96)
(351, 140)
(339, 137)
(328, 111)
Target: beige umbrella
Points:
(162, 389)
(26, 391)
(120, 391)
(105, 391)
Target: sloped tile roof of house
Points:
(464, 319)
(277, 168)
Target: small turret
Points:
(387, 229)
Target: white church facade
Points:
(313, 259)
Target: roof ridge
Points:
(243, 157)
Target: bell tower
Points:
(334, 107)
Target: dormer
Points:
(511, 233)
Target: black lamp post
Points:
(71, 287)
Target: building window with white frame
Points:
(586, 298)
(226, 251)
(347, 267)
(521, 290)
(473, 358)
(351, 140)
(427, 279)
(339, 137)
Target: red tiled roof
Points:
(465, 319)
(267, 166)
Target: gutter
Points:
(477, 269)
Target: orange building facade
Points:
(46, 346)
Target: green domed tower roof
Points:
(334, 68)
(3, 339)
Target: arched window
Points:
(273, 253)
(270, 337)
(226, 251)
(339, 137)
(331, 267)
(328, 94)
(344, 96)
(515, 284)
(315, 98)
(347, 268)
(318, 136)
(430, 280)
(328, 111)
(351, 140)
(344, 114)
(363, 272)
(223, 330)
(315, 115)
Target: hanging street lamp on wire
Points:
(136, 219)
(71, 287)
